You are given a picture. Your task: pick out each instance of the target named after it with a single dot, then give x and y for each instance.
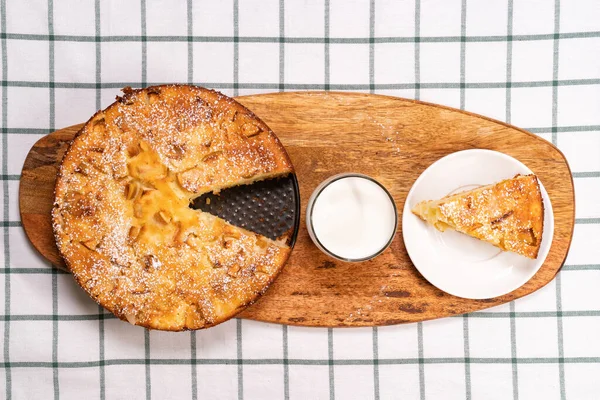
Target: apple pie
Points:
(122, 218)
(508, 214)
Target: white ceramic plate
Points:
(454, 262)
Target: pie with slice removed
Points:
(122, 220)
(508, 214)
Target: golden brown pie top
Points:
(508, 214)
(122, 220)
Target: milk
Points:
(352, 218)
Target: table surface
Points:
(534, 64)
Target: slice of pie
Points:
(508, 214)
(122, 219)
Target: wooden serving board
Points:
(390, 139)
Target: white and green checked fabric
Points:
(535, 64)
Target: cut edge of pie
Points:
(121, 216)
(508, 214)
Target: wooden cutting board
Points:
(393, 140)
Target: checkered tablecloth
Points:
(535, 64)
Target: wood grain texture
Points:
(391, 139)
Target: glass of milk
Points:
(351, 217)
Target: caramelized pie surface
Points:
(508, 214)
(122, 220)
